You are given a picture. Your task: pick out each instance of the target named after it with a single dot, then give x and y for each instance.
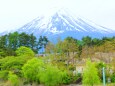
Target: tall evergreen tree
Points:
(13, 40)
(24, 39)
(42, 42)
(33, 43)
(3, 41)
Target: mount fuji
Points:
(62, 24)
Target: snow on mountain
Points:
(62, 23)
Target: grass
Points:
(111, 84)
(8, 84)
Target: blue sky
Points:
(15, 13)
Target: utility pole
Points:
(103, 76)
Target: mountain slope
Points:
(63, 24)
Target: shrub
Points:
(113, 77)
(13, 64)
(51, 76)
(66, 78)
(31, 69)
(90, 74)
(13, 78)
(24, 51)
(4, 75)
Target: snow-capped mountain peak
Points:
(62, 22)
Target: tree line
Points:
(84, 47)
(87, 45)
(10, 42)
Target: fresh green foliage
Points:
(10, 42)
(33, 43)
(90, 74)
(24, 51)
(51, 76)
(31, 69)
(13, 64)
(24, 39)
(13, 40)
(4, 75)
(66, 78)
(2, 53)
(3, 41)
(13, 78)
(35, 70)
(56, 68)
(87, 40)
(113, 78)
(99, 66)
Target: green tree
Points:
(87, 41)
(80, 47)
(96, 42)
(3, 41)
(13, 64)
(99, 66)
(72, 44)
(51, 76)
(90, 74)
(24, 39)
(24, 51)
(31, 69)
(13, 40)
(42, 42)
(33, 43)
(69, 45)
(66, 50)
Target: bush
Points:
(69, 78)
(113, 77)
(66, 78)
(99, 66)
(71, 67)
(35, 70)
(13, 78)
(13, 64)
(90, 74)
(31, 69)
(2, 53)
(24, 51)
(4, 75)
(51, 76)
